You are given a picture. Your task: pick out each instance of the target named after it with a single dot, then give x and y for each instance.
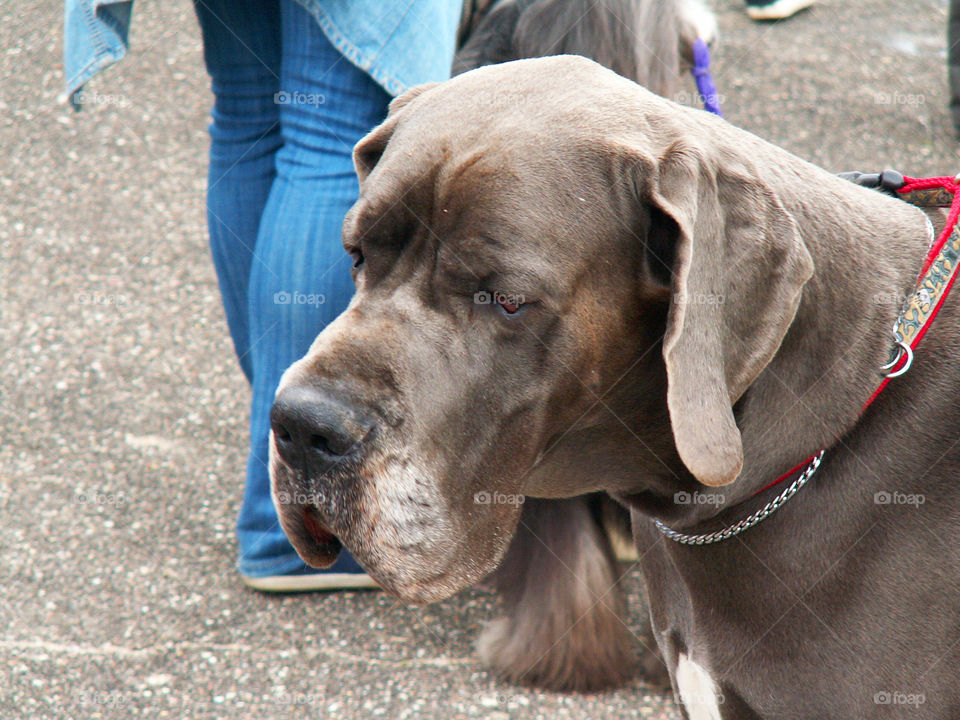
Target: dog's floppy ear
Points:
(736, 273)
(367, 152)
(401, 101)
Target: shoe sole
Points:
(309, 583)
(778, 10)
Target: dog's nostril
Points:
(319, 442)
(357, 256)
(281, 433)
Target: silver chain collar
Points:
(766, 511)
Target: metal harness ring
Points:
(902, 349)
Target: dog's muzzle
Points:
(317, 436)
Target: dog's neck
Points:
(811, 397)
(867, 249)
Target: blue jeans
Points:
(288, 109)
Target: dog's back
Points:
(639, 39)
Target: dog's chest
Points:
(698, 692)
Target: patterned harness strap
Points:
(939, 268)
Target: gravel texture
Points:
(123, 412)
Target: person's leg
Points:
(241, 49)
(326, 105)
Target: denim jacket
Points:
(399, 43)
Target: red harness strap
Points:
(788, 473)
(940, 185)
(911, 185)
(949, 185)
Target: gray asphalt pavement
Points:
(123, 412)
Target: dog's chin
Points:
(411, 550)
(406, 581)
(411, 585)
(421, 593)
(319, 548)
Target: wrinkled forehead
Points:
(488, 202)
(451, 168)
(518, 150)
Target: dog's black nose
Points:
(309, 425)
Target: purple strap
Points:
(701, 73)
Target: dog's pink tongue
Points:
(326, 546)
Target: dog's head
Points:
(551, 264)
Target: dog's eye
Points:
(357, 256)
(508, 303)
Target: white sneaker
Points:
(778, 9)
(310, 582)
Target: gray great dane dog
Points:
(566, 284)
(562, 628)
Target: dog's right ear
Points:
(401, 101)
(735, 265)
(367, 152)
